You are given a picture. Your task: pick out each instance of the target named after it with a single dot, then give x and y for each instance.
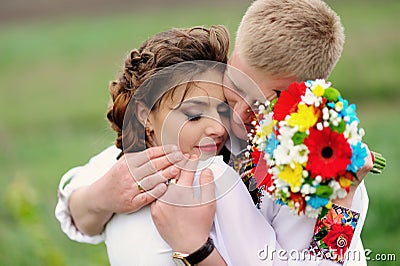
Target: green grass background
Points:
(54, 76)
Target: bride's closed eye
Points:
(193, 116)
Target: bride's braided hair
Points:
(164, 49)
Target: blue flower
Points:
(348, 110)
(308, 83)
(280, 202)
(359, 153)
(317, 202)
(272, 143)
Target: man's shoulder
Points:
(108, 153)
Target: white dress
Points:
(133, 239)
(240, 231)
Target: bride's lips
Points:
(214, 147)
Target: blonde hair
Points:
(283, 38)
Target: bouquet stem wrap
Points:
(379, 162)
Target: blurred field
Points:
(54, 75)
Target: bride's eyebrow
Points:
(192, 102)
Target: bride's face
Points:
(194, 118)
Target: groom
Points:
(278, 42)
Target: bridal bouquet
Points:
(307, 147)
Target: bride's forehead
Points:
(198, 89)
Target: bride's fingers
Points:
(187, 173)
(207, 186)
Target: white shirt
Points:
(240, 231)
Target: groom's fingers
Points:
(152, 165)
(143, 199)
(137, 159)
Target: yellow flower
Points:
(304, 118)
(339, 106)
(328, 205)
(267, 129)
(318, 90)
(344, 182)
(292, 176)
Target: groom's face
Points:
(248, 85)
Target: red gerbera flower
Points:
(329, 153)
(288, 100)
(339, 238)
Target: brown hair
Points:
(283, 38)
(163, 50)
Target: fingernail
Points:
(173, 171)
(208, 172)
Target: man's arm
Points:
(246, 234)
(105, 186)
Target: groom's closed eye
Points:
(224, 110)
(278, 93)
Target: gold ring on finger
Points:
(139, 186)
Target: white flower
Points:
(282, 154)
(334, 117)
(325, 113)
(317, 180)
(310, 98)
(275, 172)
(286, 132)
(321, 82)
(300, 153)
(335, 187)
(341, 193)
(306, 189)
(352, 134)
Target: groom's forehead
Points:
(242, 84)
